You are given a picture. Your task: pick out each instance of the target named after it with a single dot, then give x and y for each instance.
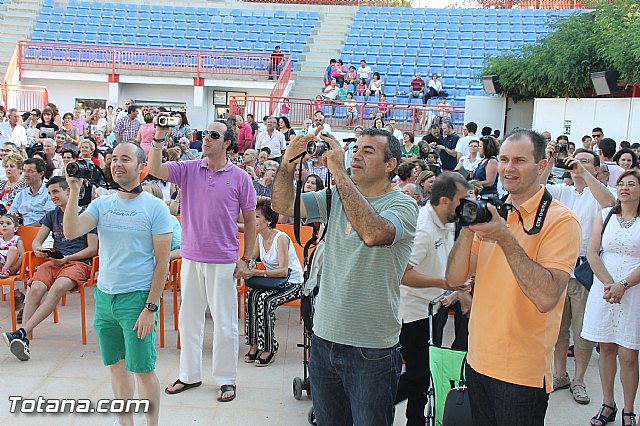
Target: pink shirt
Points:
(147, 132)
(245, 137)
(211, 202)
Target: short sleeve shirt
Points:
(53, 221)
(509, 338)
(126, 228)
(359, 299)
(209, 207)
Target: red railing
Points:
(281, 85)
(120, 59)
(535, 4)
(24, 98)
(408, 117)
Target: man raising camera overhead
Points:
(355, 360)
(516, 311)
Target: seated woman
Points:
(278, 256)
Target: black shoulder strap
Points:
(606, 220)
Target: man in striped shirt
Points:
(127, 126)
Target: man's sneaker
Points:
(561, 382)
(20, 348)
(579, 392)
(10, 336)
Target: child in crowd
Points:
(318, 103)
(362, 88)
(352, 76)
(285, 108)
(11, 246)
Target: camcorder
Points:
(84, 168)
(319, 147)
(562, 148)
(471, 212)
(164, 121)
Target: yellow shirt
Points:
(509, 338)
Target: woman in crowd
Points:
(410, 151)
(424, 181)
(487, 171)
(87, 149)
(626, 158)
(103, 123)
(351, 109)
(46, 123)
(146, 133)
(68, 156)
(3, 114)
(31, 126)
(56, 113)
(339, 72)
(342, 92)
(611, 316)
(378, 123)
(72, 134)
(278, 255)
(264, 185)
(470, 162)
(313, 184)
(375, 87)
(182, 129)
(14, 183)
(93, 118)
(285, 128)
(407, 172)
(383, 106)
(49, 168)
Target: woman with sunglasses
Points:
(72, 134)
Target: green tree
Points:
(560, 64)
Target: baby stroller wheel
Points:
(311, 417)
(298, 386)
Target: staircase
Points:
(327, 42)
(17, 19)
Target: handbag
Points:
(457, 407)
(268, 283)
(583, 272)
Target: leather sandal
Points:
(184, 387)
(601, 418)
(632, 416)
(224, 389)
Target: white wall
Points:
(490, 111)
(618, 117)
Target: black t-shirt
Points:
(53, 220)
(41, 126)
(254, 128)
(449, 162)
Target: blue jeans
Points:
(353, 386)
(498, 403)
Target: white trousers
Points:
(208, 284)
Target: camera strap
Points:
(136, 190)
(297, 220)
(541, 214)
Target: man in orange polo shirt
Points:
(516, 311)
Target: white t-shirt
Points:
(276, 143)
(583, 204)
(364, 72)
(312, 128)
(463, 144)
(431, 247)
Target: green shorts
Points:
(116, 314)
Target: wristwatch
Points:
(251, 263)
(151, 306)
(625, 284)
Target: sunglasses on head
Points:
(212, 133)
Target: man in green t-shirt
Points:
(355, 361)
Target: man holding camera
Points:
(69, 265)
(586, 196)
(210, 249)
(355, 359)
(135, 231)
(517, 309)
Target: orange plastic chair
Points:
(95, 266)
(27, 233)
(173, 283)
(306, 232)
(144, 173)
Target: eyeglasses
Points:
(211, 133)
(596, 136)
(629, 185)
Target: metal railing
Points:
(121, 59)
(24, 98)
(331, 2)
(415, 118)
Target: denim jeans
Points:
(353, 386)
(498, 403)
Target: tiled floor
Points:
(63, 368)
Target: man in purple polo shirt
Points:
(214, 192)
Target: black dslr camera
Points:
(319, 147)
(471, 212)
(84, 168)
(562, 148)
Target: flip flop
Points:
(184, 387)
(227, 388)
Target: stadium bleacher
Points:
(175, 26)
(398, 42)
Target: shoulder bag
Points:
(457, 407)
(583, 272)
